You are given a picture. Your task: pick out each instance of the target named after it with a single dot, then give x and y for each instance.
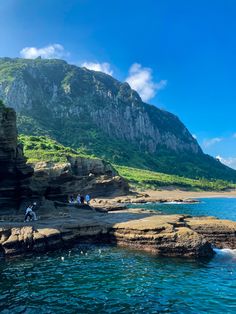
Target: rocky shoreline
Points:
(109, 221)
(122, 202)
(165, 235)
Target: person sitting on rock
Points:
(30, 214)
(87, 198)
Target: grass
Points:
(145, 179)
(43, 148)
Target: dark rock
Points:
(14, 172)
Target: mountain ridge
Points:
(94, 112)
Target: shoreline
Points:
(179, 194)
(157, 196)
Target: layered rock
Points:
(56, 181)
(14, 171)
(165, 235)
(221, 233)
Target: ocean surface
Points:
(107, 279)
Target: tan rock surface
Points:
(168, 235)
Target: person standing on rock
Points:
(87, 198)
(29, 213)
(78, 199)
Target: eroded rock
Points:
(56, 181)
(14, 172)
(166, 235)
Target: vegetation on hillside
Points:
(144, 179)
(93, 142)
(43, 148)
(84, 109)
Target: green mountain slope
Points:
(101, 116)
(42, 148)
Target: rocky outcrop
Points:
(165, 235)
(56, 181)
(14, 172)
(221, 233)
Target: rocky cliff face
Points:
(51, 180)
(14, 172)
(64, 91)
(56, 181)
(92, 110)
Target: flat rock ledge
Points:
(166, 235)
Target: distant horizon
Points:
(179, 57)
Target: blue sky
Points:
(180, 55)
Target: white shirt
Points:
(28, 210)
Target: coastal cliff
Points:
(21, 182)
(14, 172)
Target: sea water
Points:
(107, 279)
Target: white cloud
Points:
(95, 66)
(141, 80)
(47, 52)
(228, 161)
(212, 141)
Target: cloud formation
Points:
(96, 66)
(47, 52)
(228, 161)
(212, 141)
(141, 80)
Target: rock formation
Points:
(14, 172)
(166, 235)
(56, 181)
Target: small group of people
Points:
(29, 213)
(79, 199)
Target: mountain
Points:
(99, 115)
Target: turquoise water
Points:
(224, 208)
(106, 279)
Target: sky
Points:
(179, 55)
